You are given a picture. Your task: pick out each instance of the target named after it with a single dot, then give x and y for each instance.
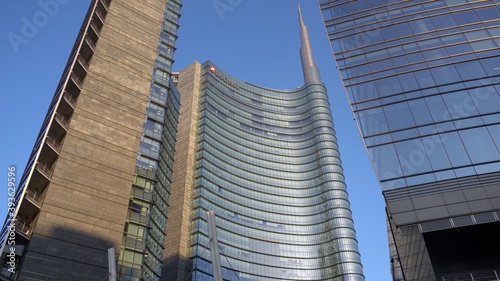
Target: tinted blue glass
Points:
(398, 116)
(445, 58)
(424, 78)
(437, 108)
(443, 21)
(436, 153)
(495, 134)
(387, 163)
(460, 104)
(420, 112)
(455, 149)
(372, 121)
(412, 157)
(479, 145)
(470, 70)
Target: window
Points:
(398, 116)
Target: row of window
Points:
(262, 194)
(443, 151)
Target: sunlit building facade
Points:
(100, 171)
(423, 81)
(267, 162)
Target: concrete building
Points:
(99, 173)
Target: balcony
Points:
(44, 170)
(83, 63)
(34, 197)
(63, 121)
(90, 43)
(95, 28)
(105, 4)
(69, 99)
(76, 79)
(52, 143)
(23, 228)
(138, 217)
(50, 150)
(100, 15)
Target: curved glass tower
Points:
(267, 162)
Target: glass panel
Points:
(465, 17)
(412, 156)
(422, 25)
(470, 70)
(424, 78)
(443, 21)
(420, 112)
(408, 82)
(495, 134)
(488, 14)
(398, 116)
(460, 104)
(363, 91)
(479, 145)
(445, 74)
(372, 121)
(436, 153)
(385, 160)
(437, 108)
(388, 86)
(455, 149)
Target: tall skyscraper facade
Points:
(423, 80)
(99, 173)
(267, 162)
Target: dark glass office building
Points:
(99, 174)
(266, 161)
(423, 80)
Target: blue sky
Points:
(254, 40)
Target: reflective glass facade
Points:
(141, 254)
(423, 80)
(268, 164)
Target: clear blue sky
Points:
(254, 40)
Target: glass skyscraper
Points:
(99, 174)
(423, 81)
(267, 162)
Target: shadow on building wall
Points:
(67, 254)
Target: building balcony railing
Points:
(83, 63)
(69, 99)
(62, 120)
(106, 3)
(23, 228)
(95, 28)
(44, 170)
(34, 197)
(52, 143)
(90, 42)
(77, 80)
(99, 15)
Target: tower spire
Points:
(309, 68)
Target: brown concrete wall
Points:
(176, 242)
(86, 203)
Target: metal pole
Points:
(112, 264)
(214, 246)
